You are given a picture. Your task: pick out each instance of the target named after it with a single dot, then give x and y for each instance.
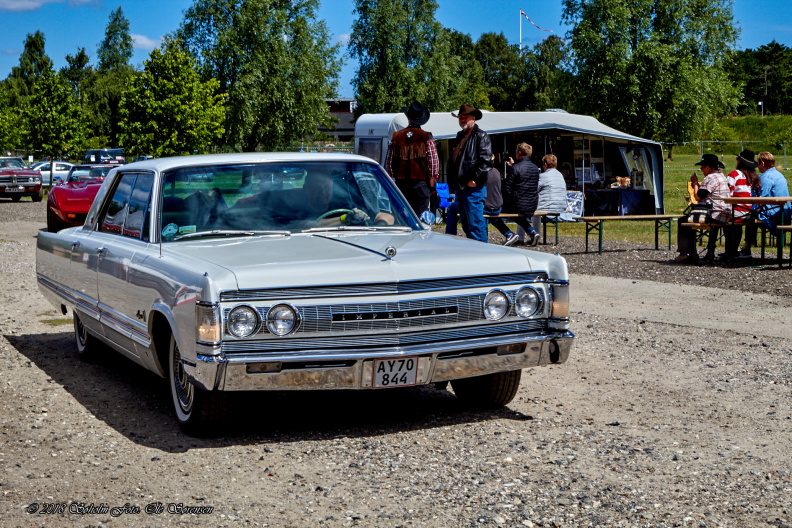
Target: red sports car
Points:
(68, 204)
(17, 180)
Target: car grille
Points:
(6, 180)
(362, 342)
(380, 289)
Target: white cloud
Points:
(9, 52)
(144, 43)
(343, 39)
(35, 5)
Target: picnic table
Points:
(763, 202)
(596, 223)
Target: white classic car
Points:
(281, 271)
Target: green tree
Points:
(272, 58)
(53, 116)
(654, 68)
(766, 74)
(403, 54)
(505, 71)
(33, 62)
(549, 80)
(115, 50)
(78, 71)
(167, 110)
(471, 88)
(11, 123)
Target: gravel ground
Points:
(647, 425)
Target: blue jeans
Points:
(471, 212)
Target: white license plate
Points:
(14, 189)
(398, 372)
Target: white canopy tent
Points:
(373, 132)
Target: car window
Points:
(137, 224)
(292, 196)
(115, 215)
(61, 167)
(13, 163)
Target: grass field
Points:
(677, 174)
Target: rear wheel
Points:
(86, 343)
(198, 412)
(491, 390)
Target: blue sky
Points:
(68, 25)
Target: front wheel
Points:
(198, 412)
(490, 390)
(38, 197)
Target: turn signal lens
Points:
(560, 301)
(206, 323)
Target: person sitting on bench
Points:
(715, 185)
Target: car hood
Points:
(19, 173)
(76, 196)
(343, 258)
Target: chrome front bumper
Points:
(354, 370)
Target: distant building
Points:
(342, 109)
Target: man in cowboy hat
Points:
(469, 161)
(714, 185)
(412, 159)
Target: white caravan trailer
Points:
(593, 157)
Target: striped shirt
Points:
(738, 183)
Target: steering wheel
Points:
(334, 212)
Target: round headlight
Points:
(243, 321)
(527, 302)
(282, 319)
(496, 305)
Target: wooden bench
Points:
(551, 218)
(704, 226)
(595, 222)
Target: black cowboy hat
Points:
(746, 157)
(467, 109)
(416, 113)
(711, 160)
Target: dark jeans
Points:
(498, 223)
(417, 193)
(686, 239)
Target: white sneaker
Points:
(511, 239)
(534, 240)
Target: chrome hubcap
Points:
(184, 389)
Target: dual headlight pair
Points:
(281, 320)
(497, 303)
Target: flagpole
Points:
(520, 29)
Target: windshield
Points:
(81, 174)
(12, 163)
(280, 197)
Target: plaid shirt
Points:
(432, 160)
(717, 184)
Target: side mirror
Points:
(428, 218)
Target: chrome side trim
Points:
(79, 301)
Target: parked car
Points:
(69, 202)
(104, 156)
(60, 173)
(18, 180)
(243, 282)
